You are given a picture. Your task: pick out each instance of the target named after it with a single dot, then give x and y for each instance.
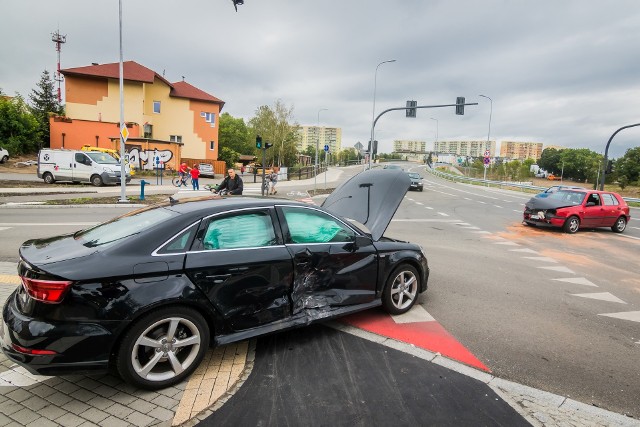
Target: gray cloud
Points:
(559, 72)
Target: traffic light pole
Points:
(606, 152)
(373, 127)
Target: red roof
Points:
(185, 90)
(139, 73)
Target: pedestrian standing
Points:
(195, 174)
(273, 178)
(242, 170)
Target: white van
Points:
(79, 166)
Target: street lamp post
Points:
(315, 177)
(123, 196)
(373, 112)
(487, 147)
(436, 128)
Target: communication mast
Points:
(58, 39)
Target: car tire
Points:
(96, 181)
(4, 159)
(571, 225)
(401, 290)
(148, 358)
(48, 178)
(421, 190)
(620, 225)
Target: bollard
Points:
(142, 184)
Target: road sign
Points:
(124, 132)
(487, 153)
(486, 165)
(487, 161)
(326, 147)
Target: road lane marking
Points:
(442, 213)
(634, 316)
(577, 281)
(540, 258)
(416, 314)
(506, 243)
(602, 296)
(497, 206)
(527, 250)
(424, 220)
(559, 269)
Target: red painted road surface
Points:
(428, 335)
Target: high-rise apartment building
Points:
(409, 146)
(465, 148)
(321, 135)
(520, 150)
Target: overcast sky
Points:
(559, 72)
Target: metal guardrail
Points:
(499, 184)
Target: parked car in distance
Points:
(203, 271)
(555, 188)
(95, 167)
(206, 169)
(574, 209)
(416, 181)
(4, 155)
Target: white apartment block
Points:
(321, 135)
(465, 148)
(520, 150)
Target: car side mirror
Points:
(362, 241)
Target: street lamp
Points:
(373, 112)
(489, 133)
(436, 128)
(315, 180)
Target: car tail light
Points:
(32, 351)
(47, 291)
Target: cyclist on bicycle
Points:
(182, 171)
(232, 183)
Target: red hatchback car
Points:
(572, 209)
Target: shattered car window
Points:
(240, 231)
(310, 226)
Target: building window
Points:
(175, 138)
(209, 118)
(212, 145)
(156, 107)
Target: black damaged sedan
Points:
(148, 292)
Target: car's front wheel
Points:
(163, 348)
(620, 225)
(401, 291)
(571, 225)
(4, 159)
(96, 180)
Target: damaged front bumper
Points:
(543, 217)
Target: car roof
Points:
(214, 204)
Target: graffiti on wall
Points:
(146, 159)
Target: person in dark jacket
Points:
(232, 183)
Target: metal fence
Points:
(522, 186)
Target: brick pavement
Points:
(105, 400)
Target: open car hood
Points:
(371, 198)
(547, 203)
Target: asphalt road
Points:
(533, 305)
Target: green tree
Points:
(580, 164)
(550, 160)
(627, 167)
(276, 126)
(234, 134)
(19, 129)
(229, 156)
(44, 101)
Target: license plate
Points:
(534, 217)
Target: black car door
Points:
(239, 261)
(329, 270)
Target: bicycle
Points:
(179, 181)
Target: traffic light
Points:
(411, 110)
(258, 142)
(460, 106)
(267, 145)
(609, 168)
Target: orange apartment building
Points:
(170, 121)
(520, 150)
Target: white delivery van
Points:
(79, 166)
